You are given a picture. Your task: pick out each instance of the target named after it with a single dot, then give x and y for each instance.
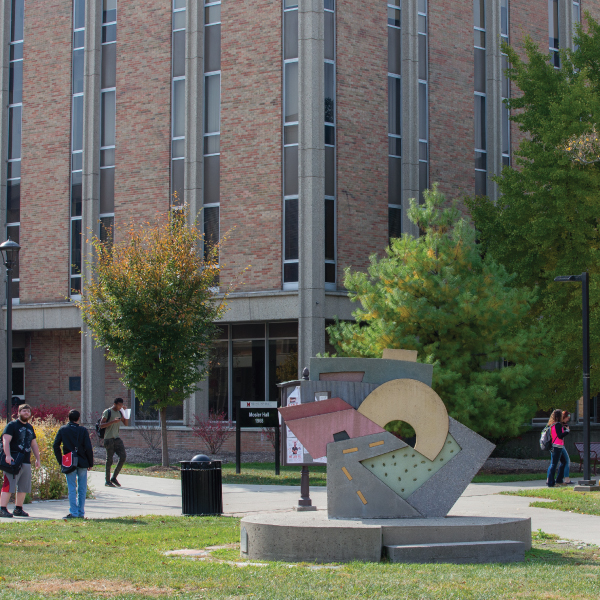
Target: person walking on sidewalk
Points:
(72, 436)
(566, 417)
(111, 421)
(18, 436)
(558, 433)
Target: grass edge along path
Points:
(264, 474)
(563, 498)
(125, 559)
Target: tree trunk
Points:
(163, 435)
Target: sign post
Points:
(256, 414)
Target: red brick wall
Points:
(143, 119)
(113, 388)
(251, 145)
(451, 86)
(44, 236)
(55, 356)
(362, 127)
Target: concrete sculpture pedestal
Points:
(312, 537)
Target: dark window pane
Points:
(394, 223)
(212, 144)
(423, 57)
(15, 82)
(393, 17)
(329, 273)
(283, 330)
(18, 381)
(283, 362)
(177, 181)
(480, 138)
(329, 5)
(109, 11)
(78, 39)
(212, 48)
(290, 154)
(329, 35)
(222, 332)
(212, 98)
(394, 50)
(290, 272)
(106, 229)
(290, 20)
(74, 384)
(480, 70)
(505, 131)
(329, 135)
(480, 183)
(107, 191)
(13, 233)
(395, 146)
(77, 123)
(178, 148)
(423, 151)
(16, 51)
(107, 157)
(479, 38)
(218, 379)
(422, 24)
(329, 93)
(329, 171)
(504, 17)
(423, 111)
(211, 229)
(481, 160)
(14, 132)
(291, 230)
(76, 194)
(75, 286)
(248, 381)
(108, 119)
(212, 179)
(109, 34)
(479, 13)
(109, 66)
(291, 134)
(179, 108)
(329, 230)
(248, 331)
(290, 3)
(78, 14)
(423, 179)
(16, 30)
(78, 71)
(179, 20)
(13, 201)
(505, 83)
(76, 247)
(553, 30)
(394, 106)
(18, 354)
(291, 92)
(178, 54)
(14, 169)
(394, 180)
(212, 14)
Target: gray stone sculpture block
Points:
(350, 392)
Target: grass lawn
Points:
(565, 499)
(264, 474)
(123, 559)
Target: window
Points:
(553, 31)
(178, 102)
(576, 18)
(480, 98)
(15, 113)
(108, 108)
(77, 73)
(290, 145)
(504, 29)
(394, 120)
(74, 384)
(212, 123)
(423, 68)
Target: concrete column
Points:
(194, 151)
(5, 13)
(410, 111)
(92, 359)
(194, 106)
(565, 24)
(493, 67)
(311, 175)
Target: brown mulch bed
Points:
(500, 466)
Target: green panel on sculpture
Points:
(406, 470)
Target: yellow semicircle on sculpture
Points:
(414, 403)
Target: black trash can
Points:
(201, 486)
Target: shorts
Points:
(21, 482)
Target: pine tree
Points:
(462, 313)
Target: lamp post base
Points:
(587, 485)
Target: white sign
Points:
(246, 404)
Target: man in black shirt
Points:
(18, 436)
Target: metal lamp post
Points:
(585, 302)
(10, 255)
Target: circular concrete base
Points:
(313, 537)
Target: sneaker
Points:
(110, 484)
(70, 516)
(19, 512)
(4, 513)
(114, 480)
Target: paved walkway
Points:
(157, 496)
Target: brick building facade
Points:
(303, 125)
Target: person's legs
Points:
(110, 450)
(81, 491)
(120, 450)
(567, 460)
(23, 487)
(8, 484)
(72, 487)
(556, 453)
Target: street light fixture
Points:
(10, 256)
(585, 302)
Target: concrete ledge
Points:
(312, 537)
(461, 552)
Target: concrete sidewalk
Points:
(157, 496)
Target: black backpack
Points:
(100, 431)
(546, 438)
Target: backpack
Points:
(546, 438)
(101, 431)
